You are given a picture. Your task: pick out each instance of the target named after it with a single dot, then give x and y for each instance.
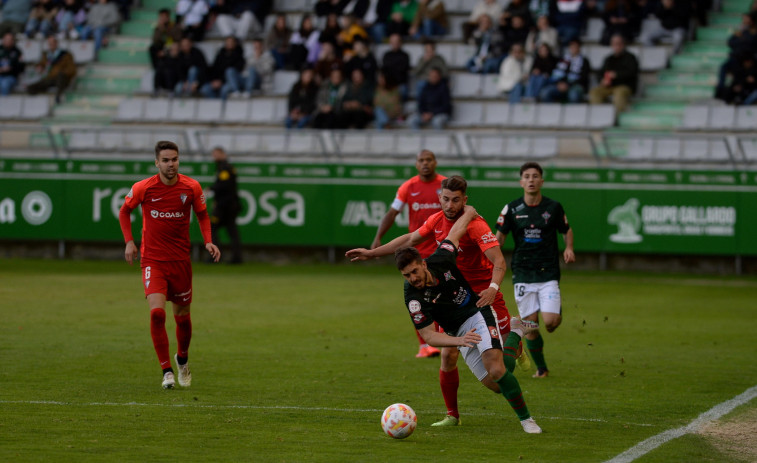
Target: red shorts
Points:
(171, 278)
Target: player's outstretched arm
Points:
(436, 339)
(405, 241)
(568, 254)
(461, 225)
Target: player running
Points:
(480, 260)
(436, 291)
(167, 200)
(534, 220)
(421, 194)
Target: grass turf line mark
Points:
(267, 407)
(712, 414)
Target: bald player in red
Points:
(421, 195)
(479, 259)
(167, 201)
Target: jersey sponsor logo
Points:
(183, 198)
(488, 237)
(166, 215)
(414, 306)
(461, 297)
(448, 247)
(546, 216)
(421, 206)
(532, 235)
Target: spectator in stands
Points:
(430, 59)
(165, 34)
(396, 65)
(491, 8)
(330, 33)
(167, 71)
(519, 8)
(340, 7)
(14, 14)
(514, 73)
(260, 69)
(618, 76)
(225, 75)
(193, 16)
(327, 62)
(741, 43)
(11, 64)
(743, 89)
(57, 68)
(430, 20)
(544, 33)
(620, 17)
(277, 41)
(514, 30)
(41, 18)
(387, 103)
(490, 47)
(362, 59)
(351, 30)
(357, 104)
(377, 18)
(569, 17)
(301, 100)
(193, 68)
(434, 103)
(102, 19)
(304, 45)
(538, 8)
(402, 16)
(71, 19)
(541, 71)
(570, 78)
(241, 17)
(671, 21)
(329, 101)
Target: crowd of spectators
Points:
(737, 77)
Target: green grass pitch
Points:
(296, 363)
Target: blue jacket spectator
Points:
(434, 103)
(10, 63)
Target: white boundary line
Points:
(712, 414)
(264, 407)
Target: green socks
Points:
(510, 388)
(510, 351)
(536, 349)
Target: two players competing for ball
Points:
(167, 200)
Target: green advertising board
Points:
(629, 211)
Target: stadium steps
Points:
(691, 76)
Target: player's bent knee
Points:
(550, 327)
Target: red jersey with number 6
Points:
(422, 199)
(166, 210)
(478, 238)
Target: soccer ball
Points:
(399, 421)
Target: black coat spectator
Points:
(396, 63)
(301, 100)
(434, 103)
(166, 32)
(364, 60)
(10, 64)
(620, 17)
(193, 69)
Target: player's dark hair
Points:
(406, 256)
(165, 145)
(531, 165)
(455, 183)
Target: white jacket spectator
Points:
(514, 70)
(490, 7)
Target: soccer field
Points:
(296, 363)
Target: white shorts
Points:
(472, 355)
(536, 297)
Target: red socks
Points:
(450, 381)
(159, 336)
(183, 334)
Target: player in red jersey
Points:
(479, 259)
(421, 194)
(167, 200)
